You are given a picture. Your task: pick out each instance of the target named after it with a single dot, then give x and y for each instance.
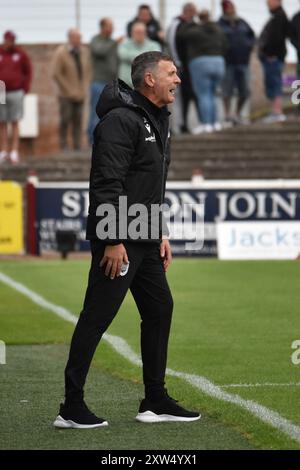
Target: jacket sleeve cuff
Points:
(113, 242)
(165, 229)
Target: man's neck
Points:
(147, 94)
(273, 10)
(231, 17)
(9, 48)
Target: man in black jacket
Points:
(177, 50)
(154, 31)
(295, 37)
(130, 160)
(272, 51)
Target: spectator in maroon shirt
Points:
(15, 73)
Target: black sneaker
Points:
(166, 409)
(77, 416)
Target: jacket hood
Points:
(116, 94)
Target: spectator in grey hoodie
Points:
(104, 61)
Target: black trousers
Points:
(148, 284)
(187, 94)
(70, 115)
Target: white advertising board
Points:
(258, 240)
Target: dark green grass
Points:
(30, 394)
(24, 322)
(234, 322)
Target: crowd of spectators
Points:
(212, 58)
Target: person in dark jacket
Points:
(154, 31)
(129, 160)
(205, 46)
(186, 93)
(295, 37)
(272, 51)
(104, 61)
(241, 39)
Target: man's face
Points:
(273, 4)
(164, 81)
(9, 44)
(144, 15)
(190, 12)
(75, 39)
(230, 11)
(107, 29)
(138, 33)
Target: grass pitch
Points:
(234, 323)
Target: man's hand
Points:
(114, 256)
(161, 35)
(165, 253)
(120, 39)
(75, 97)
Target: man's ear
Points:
(149, 80)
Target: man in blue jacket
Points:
(241, 40)
(130, 160)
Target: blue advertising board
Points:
(64, 206)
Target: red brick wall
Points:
(258, 98)
(42, 84)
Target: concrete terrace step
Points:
(255, 151)
(229, 136)
(249, 132)
(235, 156)
(241, 173)
(291, 141)
(257, 164)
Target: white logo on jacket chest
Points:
(148, 127)
(150, 139)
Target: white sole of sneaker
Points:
(68, 424)
(150, 417)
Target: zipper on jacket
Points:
(163, 146)
(164, 164)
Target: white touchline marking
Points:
(266, 415)
(266, 384)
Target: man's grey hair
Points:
(146, 62)
(187, 6)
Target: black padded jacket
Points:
(130, 157)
